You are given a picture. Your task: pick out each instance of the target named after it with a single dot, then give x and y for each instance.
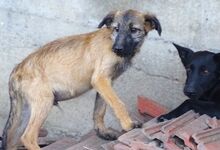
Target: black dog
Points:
(202, 84)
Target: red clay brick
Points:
(136, 140)
(142, 146)
(179, 122)
(172, 127)
(150, 107)
(136, 146)
(154, 144)
(215, 145)
(207, 136)
(213, 122)
(170, 145)
(189, 129)
(133, 135)
(208, 139)
(154, 131)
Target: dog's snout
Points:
(190, 92)
(117, 48)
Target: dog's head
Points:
(129, 29)
(202, 69)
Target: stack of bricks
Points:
(190, 131)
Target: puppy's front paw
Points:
(108, 134)
(131, 125)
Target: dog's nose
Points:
(117, 48)
(190, 92)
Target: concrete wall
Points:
(157, 72)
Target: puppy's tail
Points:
(16, 124)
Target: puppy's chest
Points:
(121, 67)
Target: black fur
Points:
(107, 20)
(202, 84)
(155, 23)
(124, 45)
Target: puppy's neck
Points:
(121, 67)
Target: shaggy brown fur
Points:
(68, 67)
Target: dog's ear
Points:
(217, 57)
(151, 22)
(184, 53)
(107, 20)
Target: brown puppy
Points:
(70, 66)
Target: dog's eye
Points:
(134, 30)
(205, 71)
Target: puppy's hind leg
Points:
(41, 104)
(98, 117)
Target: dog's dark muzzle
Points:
(119, 45)
(117, 48)
(191, 92)
(120, 51)
(123, 45)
